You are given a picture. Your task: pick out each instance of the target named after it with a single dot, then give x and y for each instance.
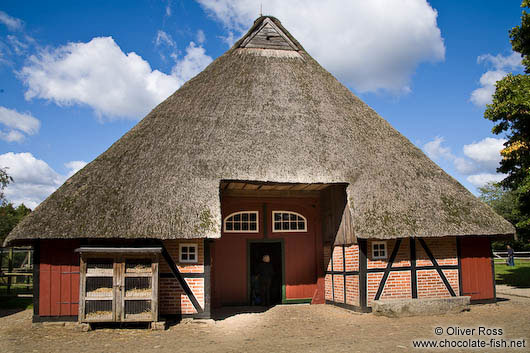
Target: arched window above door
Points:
(287, 221)
(242, 222)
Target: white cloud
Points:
(483, 95)
(480, 162)
(163, 38)
(371, 45)
(193, 63)
(19, 46)
(486, 151)
(74, 167)
(479, 180)
(501, 64)
(11, 23)
(99, 75)
(34, 179)
(168, 8)
(201, 37)
(435, 150)
(17, 125)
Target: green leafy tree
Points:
(510, 111)
(9, 218)
(5, 179)
(504, 202)
(9, 215)
(520, 37)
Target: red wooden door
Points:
(58, 278)
(477, 271)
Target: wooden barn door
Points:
(58, 278)
(477, 271)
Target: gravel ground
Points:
(287, 328)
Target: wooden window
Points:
(242, 222)
(188, 253)
(379, 250)
(286, 221)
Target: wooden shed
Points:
(262, 153)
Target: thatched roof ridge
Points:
(263, 116)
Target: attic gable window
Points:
(379, 250)
(242, 222)
(286, 221)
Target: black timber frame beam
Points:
(388, 269)
(178, 275)
(437, 267)
(413, 270)
(363, 265)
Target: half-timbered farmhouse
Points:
(262, 153)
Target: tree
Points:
(520, 37)
(9, 215)
(504, 202)
(5, 179)
(510, 110)
(9, 218)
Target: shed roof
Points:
(268, 114)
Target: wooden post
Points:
(9, 269)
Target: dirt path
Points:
(301, 328)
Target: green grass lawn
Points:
(516, 276)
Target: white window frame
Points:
(379, 257)
(189, 246)
(289, 230)
(242, 231)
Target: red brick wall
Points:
(430, 285)
(402, 258)
(328, 288)
(398, 284)
(172, 299)
(352, 281)
(352, 258)
(352, 290)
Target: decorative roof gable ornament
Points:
(268, 36)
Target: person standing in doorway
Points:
(510, 261)
(265, 273)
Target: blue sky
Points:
(75, 76)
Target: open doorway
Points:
(258, 286)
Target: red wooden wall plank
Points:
(59, 278)
(477, 275)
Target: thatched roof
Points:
(262, 115)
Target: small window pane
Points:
(242, 222)
(192, 257)
(289, 221)
(184, 256)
